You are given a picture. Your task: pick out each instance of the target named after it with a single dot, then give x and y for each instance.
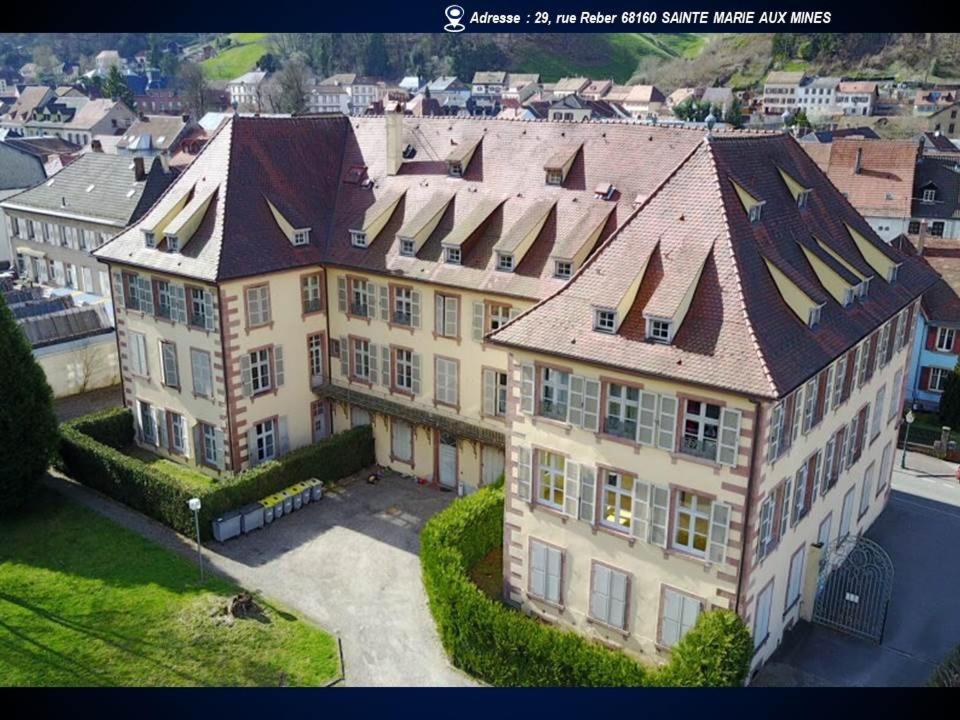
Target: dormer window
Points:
(563, 269)
(149, 239)
(554, 177)
(407, 247)
(408, 152)
(814, 319)
(848, 295)
(605, 320)
(892, 274)
(659, 331)
(604, 191)
(455, 168)
(452, 255)
(358, 238)
(802, 198)
(505, 262)
(755, 212)
(929, 195)
(301, 237)
(173, 244)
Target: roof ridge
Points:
(221, 207)
(736, 270)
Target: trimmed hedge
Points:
(504, 647)
(90, 454)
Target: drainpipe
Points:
(748, 504)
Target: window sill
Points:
(250, 328)
(669, 552)
(620, 440)
(559, 607)
(614, 532)
(455, 338)
(551, 421)
(400, 326)
(716, 466)
(607, 626)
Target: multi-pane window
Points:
(358, 297)
(138, 354)
(162, 292)
(659, 331)
(878, 406)
(315, 353)
(168, 364)
(761, 625)
(447, 316)
(148, 427)
(554, 393)
(494, 393)
(546, 567)
(265, 435)
(359, 416)
(208, 435)
(177, 432)
(452, 255)
(623, 406)
(199, 308)
(866, 491)
(311, 293)
(701, 429)
(258, 305)
(680, 613)
(809, 404)
(692, 523)
(497, 315)
(403, 306)
(608, 596)
(202, 372)
(550, 470)
(447, 381)
(945, 339)
(604, 320)
(794, 581)
(504, 262)
(618, 501)
(839, 379)
(361, 359)
(563, 269)
(938, 379)
(401, 441)
(260, 370)
(403, 369)
(895, 394)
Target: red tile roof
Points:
(884, 185)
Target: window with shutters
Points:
(618, 489)
(210, 450)
(177, 432)
(161, 289)
(546, 572)
(498, 315)
(766, 532)
(315, 353)
(260, 370)
(880, 402)
(138, 354)
(937, 379)
(265, 437)
(622, 411)
(403, 370)
(678, 614)
(609, 590)
(885, 467)
(945, 339)
(202, 372)
(795, 579)
(799, 503)
(311, 293)
(447, 316)
(360, 359)
(550, 473)
(895, 390)
(148, 429)
(494, 393)
(692, 523)
(761, 620)
(829, 464)
(200, 308)
(866, 490)
(701, 429)
(258, 306)
(447, 391)
(359, 293)
(402, 306)
(839, 379)
(168, 360)
(774, 441)
(359, 416)
(554, 393)
(809, 404)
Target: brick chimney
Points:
(859, 164)
(394, 127)
(139, 174)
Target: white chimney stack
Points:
(394, 121)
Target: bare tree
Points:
(193, 87)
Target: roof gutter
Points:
(60, 213)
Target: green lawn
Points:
(86, 602)
(239, 58)
(188, 476)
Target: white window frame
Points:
(688, 610)
(447, 390)
(618, 492)
(605, 320)
(945, 339)
(208, 439)
(659, 330)
(505, 262)
(554, 389)
(258, 305)
(403, 369)
(546, 561)
(938, 379)
(562, 269)
(202, 371)
(260, 376)
(301, 237)
(361, 359)
(551, 469)
(703, 422)
(618, 406)
(694, 512)
(795, 578)
(358, 238)
(265, 439)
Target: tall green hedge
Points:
(90, 451)
(507, 648)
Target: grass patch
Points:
(84, 602)
(189, 477)
(241, 57)
(488, 574)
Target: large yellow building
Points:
(685, 352)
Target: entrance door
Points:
(491, 459)
(447, 460)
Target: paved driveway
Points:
(920, 529)
(349, 563)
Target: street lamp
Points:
(194, 505)
(909, 418)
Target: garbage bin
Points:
(316, 489)
(287, 502)
(277, 500)
(305, 492)
(251, 517)
(294, 492)
(226, 526)
(269, 504)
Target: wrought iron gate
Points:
(853, 590)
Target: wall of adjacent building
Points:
(80, 365)
(924, 358)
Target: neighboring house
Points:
(56, 225)
(679, 95)
(712, 345)
(449, 92)
(105, 61)
(53, 152)
(780, 91)
(573, 108)
(74, 344)
(937, 343)
(936, 198)
(818, 143)
(19, 170)
(29, 99)
(877, 177)
(596, 90)
(78, 120)
(644, 101)
(487, 89)
(159, 100)
(520, 86)
(155, 135)
(569, 85)
(363, 91)
(246, 91)
(936, 143)
(719, 98)
(946, 120)
(857, 97)
(817, 96)
(328, 99)
(930, 102)
(412, 84)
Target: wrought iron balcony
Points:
(705, 448)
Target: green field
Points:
(617, 54)
(84, 602)
(240, 57)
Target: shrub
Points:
(947, 673)
(90, 455)
(504, 647)
(28, 426)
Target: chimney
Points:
(859, 166)
(138, 172)
(96, 146)
(185, 117)
(394, 122)
(922, 238)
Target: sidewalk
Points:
(927, 477)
